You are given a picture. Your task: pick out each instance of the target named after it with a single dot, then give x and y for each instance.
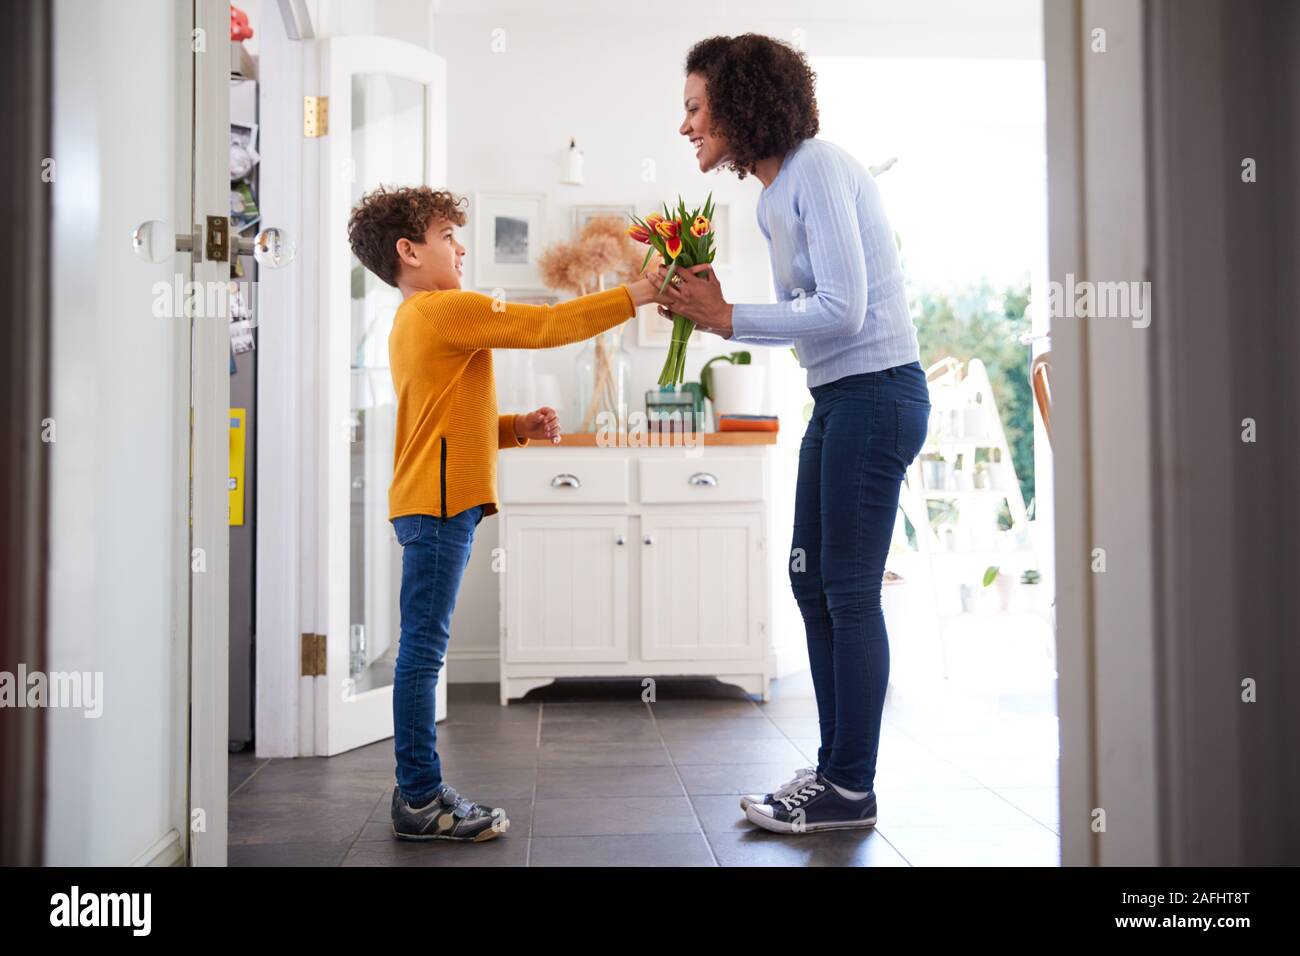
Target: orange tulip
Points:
(699, 227)
(668, 228)
(639, 234)
(653, 220)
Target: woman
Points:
(751, 108)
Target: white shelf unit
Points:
(964, 422)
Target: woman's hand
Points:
(543, 423)
(695, 295)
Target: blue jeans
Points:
(435, 552)
(864, 432)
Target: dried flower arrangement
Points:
(580, 266)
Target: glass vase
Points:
(604, 370)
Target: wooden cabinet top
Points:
(650, 440)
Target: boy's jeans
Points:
(434, 555)
(864, 432)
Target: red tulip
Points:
(639, 234)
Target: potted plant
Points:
(1027, 595)
(735, 387)
(1005, 585)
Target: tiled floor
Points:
(590, 775)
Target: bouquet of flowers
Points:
(682, 239)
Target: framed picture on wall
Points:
(653, 331)
(507, 240)
(584, 214)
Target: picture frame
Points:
(508, 238)
(653, 331)
(583, 214)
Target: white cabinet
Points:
(566, 588)
(701, 586)
(634, 562)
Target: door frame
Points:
(345, 720)
(209, 655)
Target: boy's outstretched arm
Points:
(471, 320)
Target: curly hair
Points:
(762, 95)
(386, 215)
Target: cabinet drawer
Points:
(543, 477)
(674, 480)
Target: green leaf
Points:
(669, 277)
(990, 575)
(646, 260)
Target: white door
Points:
(387, 125)
(701, 586)
(566, 588)
(138, 432)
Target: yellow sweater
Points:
(448, 429)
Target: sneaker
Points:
(802, 776)
(814, 806)
(448, 816)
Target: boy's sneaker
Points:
(802, 776)
(448, 816)
(814, 806)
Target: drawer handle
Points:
(620, 539)
(566, 481)
(649, 539)
(703, 478)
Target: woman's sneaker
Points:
(448, 816)
(802, 776)
(815, 806)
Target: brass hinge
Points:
(313, 655)
(217, 248)
(315, 116)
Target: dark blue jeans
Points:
(865, 430)
(434, 555)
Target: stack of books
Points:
(747, 423)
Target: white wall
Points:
(610, 76)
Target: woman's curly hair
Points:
(386, 215)
(762, 95)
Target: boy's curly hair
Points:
(762, 95)
(386, 215)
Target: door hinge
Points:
(315, 116)
(217, 248)
(313, 655)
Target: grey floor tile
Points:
(287, 854)
(509, 849)
(721, 813)
(608, 781)
(758, 847)
(603, 754)
(735, 778)
(1000, 772)
(297, 817)
(793, 707)
(594, 710)
(664, 849)
(736, 751)
(711, 728)
(1041, 803)
(977, 807)
(704, 709)
(609, 730)
(1032, 845)
(599, 816)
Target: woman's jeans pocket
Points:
(407, 528)
(913, 424)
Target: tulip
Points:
(639, 234)
(668, 228)
(653, 220)
(699, 227)
(674, 246)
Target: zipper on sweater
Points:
(444, 477)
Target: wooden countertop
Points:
(655, 440)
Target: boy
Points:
(444, 464)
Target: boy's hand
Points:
(543, 423)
